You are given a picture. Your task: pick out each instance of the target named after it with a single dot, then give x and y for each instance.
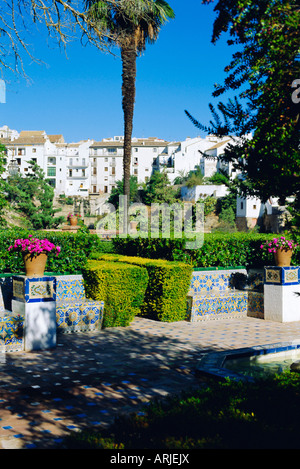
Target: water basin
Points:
(260, 366)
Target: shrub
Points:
(218, 249)
(75, 250)
(165, 297)
(121, 286)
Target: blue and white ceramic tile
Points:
(11, 333)
(34, 289)
(282, 275)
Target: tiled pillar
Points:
(35, 298)
(282, 294)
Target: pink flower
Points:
(33, 245)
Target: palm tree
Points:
(129, 25)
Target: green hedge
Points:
(218, 250)
(121, 286)
(169, 282)
(75, 250)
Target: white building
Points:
(106, 160)
(93, 167)
(204, 153)
(66, 165)
(192, 194)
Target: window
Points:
(105, 189)
(135, 171)
(106, 168)
(34, 150)
(21, 151)
(254, 206)
(83, 173)
(94, 171)
(70, 173)
(51, 171)
(242, 205)
(94, 189)
(113, 170)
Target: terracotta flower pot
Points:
(283, 257)
(35, 265)
(73, 221)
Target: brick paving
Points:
(90, 378)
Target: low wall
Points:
(219, 293)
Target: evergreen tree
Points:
(158, 190)
(33, 196)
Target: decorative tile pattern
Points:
(282, 275)
(210, 281)
(79, 316)
(34, 289)
(69, 287)
(75, 313)
(212, 305)
(213, 295)
(255, 304)
(11, 333)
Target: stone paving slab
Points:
(92, 377)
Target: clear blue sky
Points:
(80, 95)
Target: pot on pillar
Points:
(283, 257)
(35, 253)
(35, 264)
(282, 250)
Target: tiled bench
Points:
(74, 312)
(11, 332)
(215, 294)
(11, 325)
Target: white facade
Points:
(192, 194)
(249, 208)
(188, 155)
(106, 160)
(89, 167)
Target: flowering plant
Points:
(71, 215)
(34, 246)
(279, 243)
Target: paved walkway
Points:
(90, 378)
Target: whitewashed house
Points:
(106, 161)
(66, 166)
(192, 194)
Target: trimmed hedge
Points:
(218, 250)
(75, 250)
(121, 286)
(169, 282)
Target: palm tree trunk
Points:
(128, 55)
